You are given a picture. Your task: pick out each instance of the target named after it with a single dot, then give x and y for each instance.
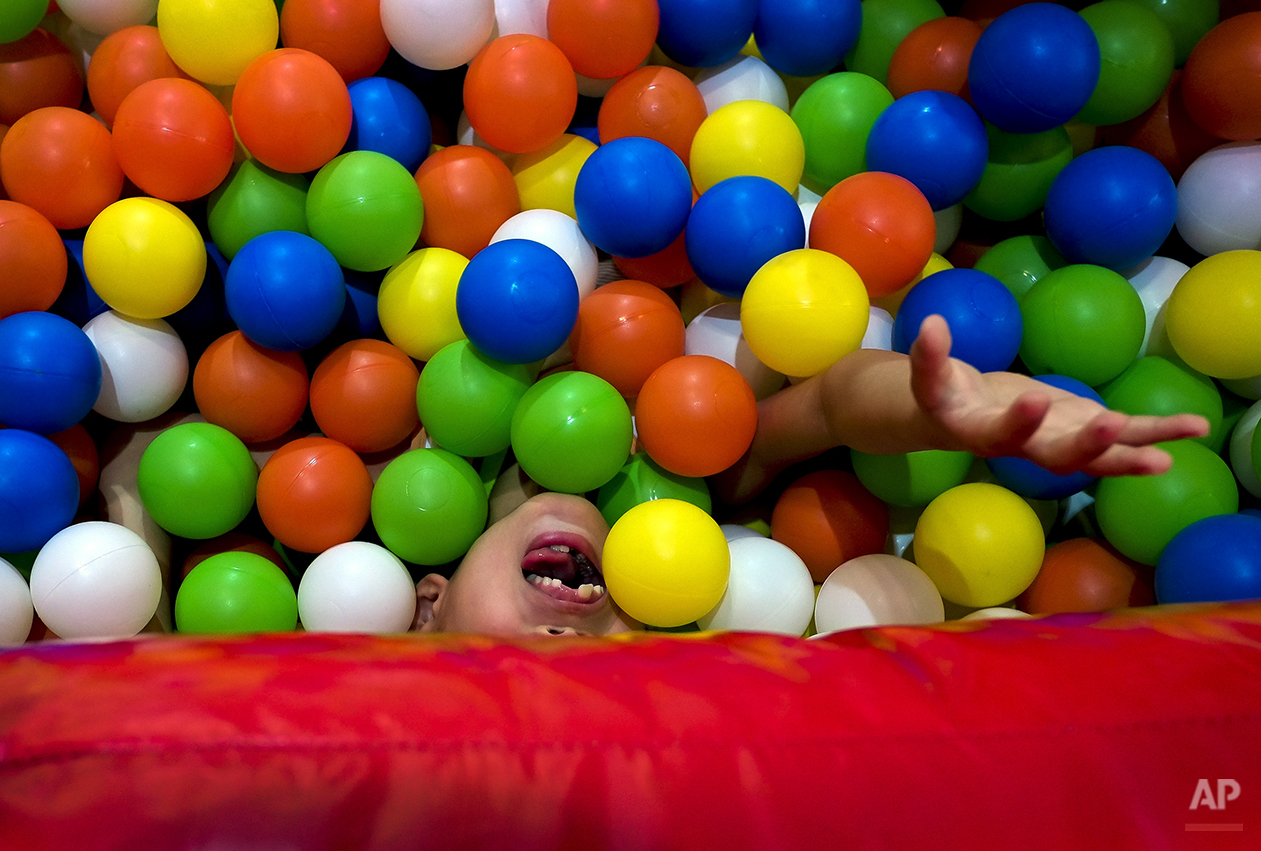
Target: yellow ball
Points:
(144, 257)
(980, 543)
(545, 179)
(213, 40)
(803, 310)
(1213, 316)
(666, 562)
(748, 137)
(416, 301)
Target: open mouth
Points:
(563, 571)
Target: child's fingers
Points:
(1142, 430)
(930, 363)
(1012, 430)
(1120, 460)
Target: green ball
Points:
(19, 18)
(255, 200)
(1139, 515)
(197, 480)
(236, 592)
(1018, 172)
(466, 399)
(911, 478)
(429, 506)
(885, 24)
(835, 114)
(571, 432)
(1136, 49)
(1186, 20)
(1019, 261)
(1082, 321)
(643, 479)
(1159, 387)
(365, 208)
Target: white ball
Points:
(736, 531)
(356, 587)
(560, 233)
(949, 221)
(994, 613)
(96, 580)
(144, 366)
(1241, 449)
(879, 333)
(877, 590)
(16, 612)
(769, 590)
(521, 16)
(103, 17)
(716, 332)
(438, 34)
(742, 78)
(1218, 207)
(1154, 280)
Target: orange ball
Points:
(33, 260)
(1086, 575)
(467, 193)
(364, 394)
(37, 71)
(520, 93)
(1166, 131)
(934, 55)
(656, 102)
(827, 517)
(79, 447)
(348, 33)
(292, 110)
(696, 415)
(314, 493)
(122, 61)
(1222, 79)
(174, 139)
(880, 224)
(603, 39)
(258, 394)
(61, 162)
(624, 331)
(669, 267)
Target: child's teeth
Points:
(560, 548)
(585, 591)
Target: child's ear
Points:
(429, 592)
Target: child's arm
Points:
(883, 403)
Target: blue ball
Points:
(360, 317)
(736, 226)
(77, 301)
(632, 196)
(39, 490)
(50, 373)
(390, 119)
(206, 316)
(285, 291)
(1033, 68)
(1214, 559)
(986, 327)
(704, 33)
(933, 139)
(517, 301)
(1112, 207)
(1030, 480)
(804, 38)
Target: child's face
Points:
(508, 584)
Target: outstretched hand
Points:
(1001, 413)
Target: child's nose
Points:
(557, 630)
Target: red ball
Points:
(520, 93)
(603, 39)
(934, 55)
(79, 447)
(669, 267)
(37, 71)
(364, 394)
(348, 33)
(696, 415)
(827, 517)
(314, 493)
(1087, 575)
(1222, 79)
(1166, 131)
(232, 542)
(122, 61)
(258, 394)
(625, 330)
(33, 260)
(656, 102)
(467, 193)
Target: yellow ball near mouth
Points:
(666, 563)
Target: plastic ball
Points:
(803, 311)
(348, 33)
(1154, 281)
(736, 226)
(363, 394)
(545, 178)
(1086, 575)
(144, 366)
(428, 506)
(1212, 560)
(254, 200)
(123, 61)
(666, 268)
(642, 479)
(466, 400)
(103, 18)
(625, 330)
(33, 262)
(197, 480)
(748, 137)
(835, 116)
(233, 542)
(16, 612)
(390, 119)
(934, 55)
(1033, 68)
(657, 102)
(562, 234)
(214, 40)
(366, 209)
(520, 93)
(885, 23)
(1139, 515)
(236, 592)
(356, 587)
(61, 162)
(39, 490)
(314, 493)
(468, 193)
(1019, 171)
(1222, 78)
(716, 331)
(1019, 261)
(50, 375)
(703, 33)
(416, 301)
(743, 78)
(1137, 58)
(1157, 386)
(80, 448)
(254, 392)
(571, 432)
(1217, 209)
(666, 563)
(603, 40)
(980, 543)
(805, 39)
(911, 479)
(37, 71)
(632, 197)
(285, 291)
(769, 590)
(1213, 315)
(827, 517)
(877, 590)
(1081, 321)
(985, 322)
(878, 223)
(437, 35)
(19, 18)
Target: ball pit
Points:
(1136, 60)
(716, 331)
(1158, 386)
(744, 77)
(437, 35)
(560, 233)
(642, 479)
(1220, 79)
(254, 200)
(827, 517)
(1087, 575)
(545, 178)
(704, 33)
(1019, 171)
(911, 479)
(20, 19)
(934, 55)
(1214, 558)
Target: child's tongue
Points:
(546, 561)
(554, 571)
